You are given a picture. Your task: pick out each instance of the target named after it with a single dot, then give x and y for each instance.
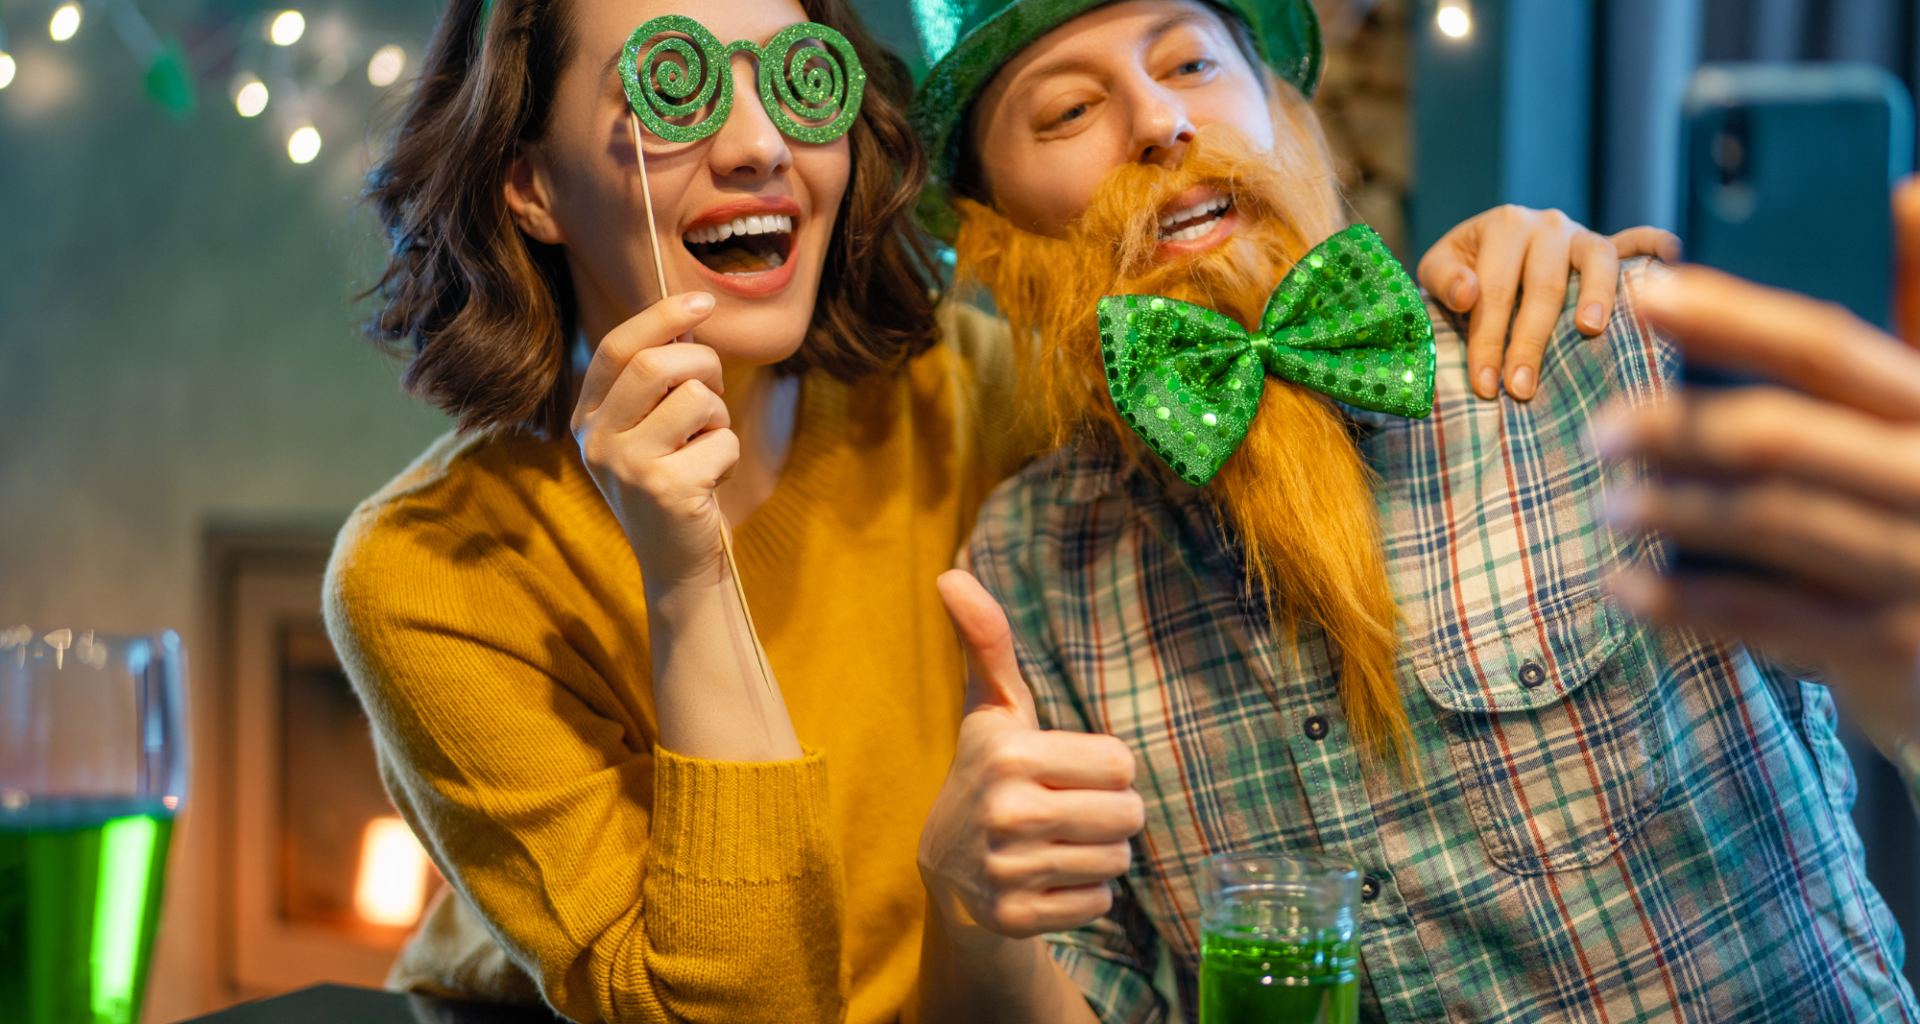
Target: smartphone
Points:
(1787, 176)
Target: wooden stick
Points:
(726, 534)
(646, 195)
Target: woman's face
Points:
(579, 187)
(1131, 81)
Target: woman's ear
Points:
(530, 201)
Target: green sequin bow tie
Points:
(672, 67)
(1346, 321)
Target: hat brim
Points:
(1285, 32)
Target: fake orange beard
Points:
(1296, 491)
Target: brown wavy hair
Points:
(486, 315)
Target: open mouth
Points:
(743, 245)
(1195, 221)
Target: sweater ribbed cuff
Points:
(740, 821)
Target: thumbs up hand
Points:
(1031, 824)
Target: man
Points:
(1379, 637)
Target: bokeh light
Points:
(251, 98)
(288, 28)
(303, 145)
(387, 64)
(6, 69)
(391, 888)
(1454, 20)
(66, 21)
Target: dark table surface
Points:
(340, 1004)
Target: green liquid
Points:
(79, 904)
(1250, 981)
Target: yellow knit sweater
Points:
(489, 612)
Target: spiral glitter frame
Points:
(795, 75)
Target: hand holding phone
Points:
(1827, 487)
(1788, 181)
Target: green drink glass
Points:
(1276, 943)
(93, 768)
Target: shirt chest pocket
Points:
(1552, 737)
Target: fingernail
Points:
(1655, 292)
(1454, 294)
(1610, 437)
(1627, 510)
(1634, 590)
(1521, 386)
(1590, 315)
(1489, 386)
(698, 302)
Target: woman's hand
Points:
(1821, 488)
(654, 435)
(1511, 252)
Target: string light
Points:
(288, 28)
(303, 145)
(385, 67)
(251, 96)
(169, 75)
(1453, 19)
(6, 69)
(66, 21)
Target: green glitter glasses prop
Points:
(673, 68)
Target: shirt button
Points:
(1369, 888)
(1317, 727)
(1532, 675)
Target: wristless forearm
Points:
(710, 696)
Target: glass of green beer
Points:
(1276, 943)
(93, 768)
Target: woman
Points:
(537, 614)
(525, 629)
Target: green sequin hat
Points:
(967, 41)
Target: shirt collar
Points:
(1086, 470)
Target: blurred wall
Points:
(177, 346)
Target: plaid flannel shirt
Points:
(1614, 822)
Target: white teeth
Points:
(769, 224)
(1196, 210)
(1194, 213)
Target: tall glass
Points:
(93, 768)
(1276, 943)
